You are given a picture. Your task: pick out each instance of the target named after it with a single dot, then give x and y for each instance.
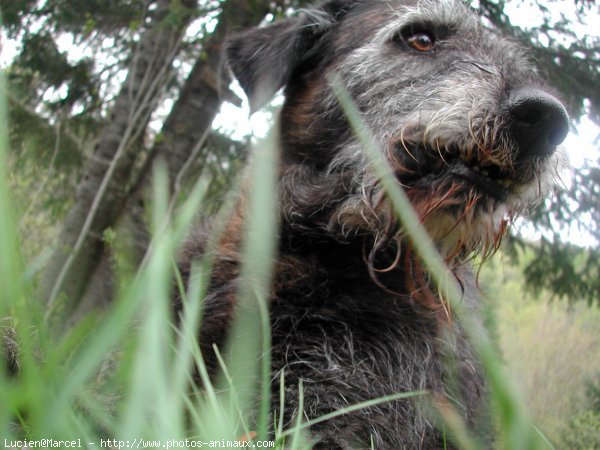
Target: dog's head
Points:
(463, 117)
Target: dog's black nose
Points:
(539, 122)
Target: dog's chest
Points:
(342, 342)
(355, 348)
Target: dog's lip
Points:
(481, 179)
(492, 180)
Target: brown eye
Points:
(421, 42)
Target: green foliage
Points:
(552, 264)
(583, 432)
(593, 394)
(551, 348)
(71, 15)
(40, 66)
(45, 162)
(13, 13)
(566, 270)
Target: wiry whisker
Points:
(437, 147)
(404, 144)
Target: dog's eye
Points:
(422, 42)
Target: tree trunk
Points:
(103, 187)
(182, 136)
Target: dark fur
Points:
(353, 313)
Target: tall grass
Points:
(127, 375)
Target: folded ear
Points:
(263, 59)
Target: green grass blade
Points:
(352, 408)
(11, 269)
(249, 340)
(150, 404)
(296, 431)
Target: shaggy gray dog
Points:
(470, 130)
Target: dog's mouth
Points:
(489, 180)
(428, 167)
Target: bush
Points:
(593, 394)
(583, 431)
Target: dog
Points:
(469, 128)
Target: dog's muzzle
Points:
(536, 123)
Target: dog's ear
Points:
(262, 59)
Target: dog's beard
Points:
(466, 208)
(461, 221)
(468, 187)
